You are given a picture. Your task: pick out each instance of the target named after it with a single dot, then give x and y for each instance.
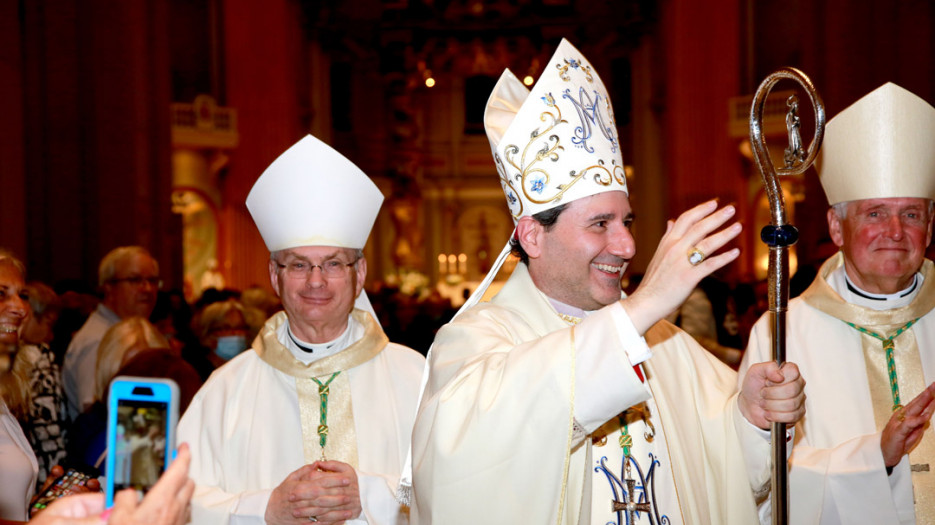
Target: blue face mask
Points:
(229, 346)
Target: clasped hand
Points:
(323, 491)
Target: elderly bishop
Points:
(863, 333)
(313, 423)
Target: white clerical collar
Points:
(310, 352)
(567, 311)
(853, 294)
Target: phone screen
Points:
(140, 441)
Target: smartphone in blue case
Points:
(142, 413)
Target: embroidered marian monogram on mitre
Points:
(563, 144)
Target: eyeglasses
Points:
(155, 282)
(330, 269)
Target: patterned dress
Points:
(46, 426)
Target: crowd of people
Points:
(559, 400)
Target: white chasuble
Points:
(255, 421)
(837, 474)
(501, 436)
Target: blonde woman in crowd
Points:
(18, 465)
(132, 347)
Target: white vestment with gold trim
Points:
(499, 437)
(245, 425)
(837, 474)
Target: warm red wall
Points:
(12, 167)
(264, 49)
(702, 54)
(95, 122)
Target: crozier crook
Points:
(779, 235)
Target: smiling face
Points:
(14, 308)
(581, 259)
(883, 241)
(317, 305)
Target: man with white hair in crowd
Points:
(313, 422)
(129, 278)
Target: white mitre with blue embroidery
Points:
(557, 143)
(313, 196)
(881, 146)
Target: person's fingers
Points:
(716, 241)
(93, 485)
(325, 516)
(785, 417)
(54, 473)
(185, 495)
(175, 477)
(920, 403)
(705, 232)
(303, 473)
(693, 216)
(335, 466)
(770, 373)
(76, 506)
(913, 438)
(322, 504)
(789, 396)
(716, 262)
(125, 503)
(790, 373)
(308, 492)
(782, 406)
(784, 411)
(928, 410)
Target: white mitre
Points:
(313, 196)
(558, 142)
(881, 146)
(552, 145)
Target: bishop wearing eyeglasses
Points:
(313, 423)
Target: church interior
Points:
(147, 122)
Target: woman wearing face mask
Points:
(18, 466)
(221, 329)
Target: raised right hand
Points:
(670, 277)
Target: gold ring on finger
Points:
(900, 412)
(695, 256)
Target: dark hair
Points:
(547, 219)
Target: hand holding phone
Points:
(166, 504)
(141, 420)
